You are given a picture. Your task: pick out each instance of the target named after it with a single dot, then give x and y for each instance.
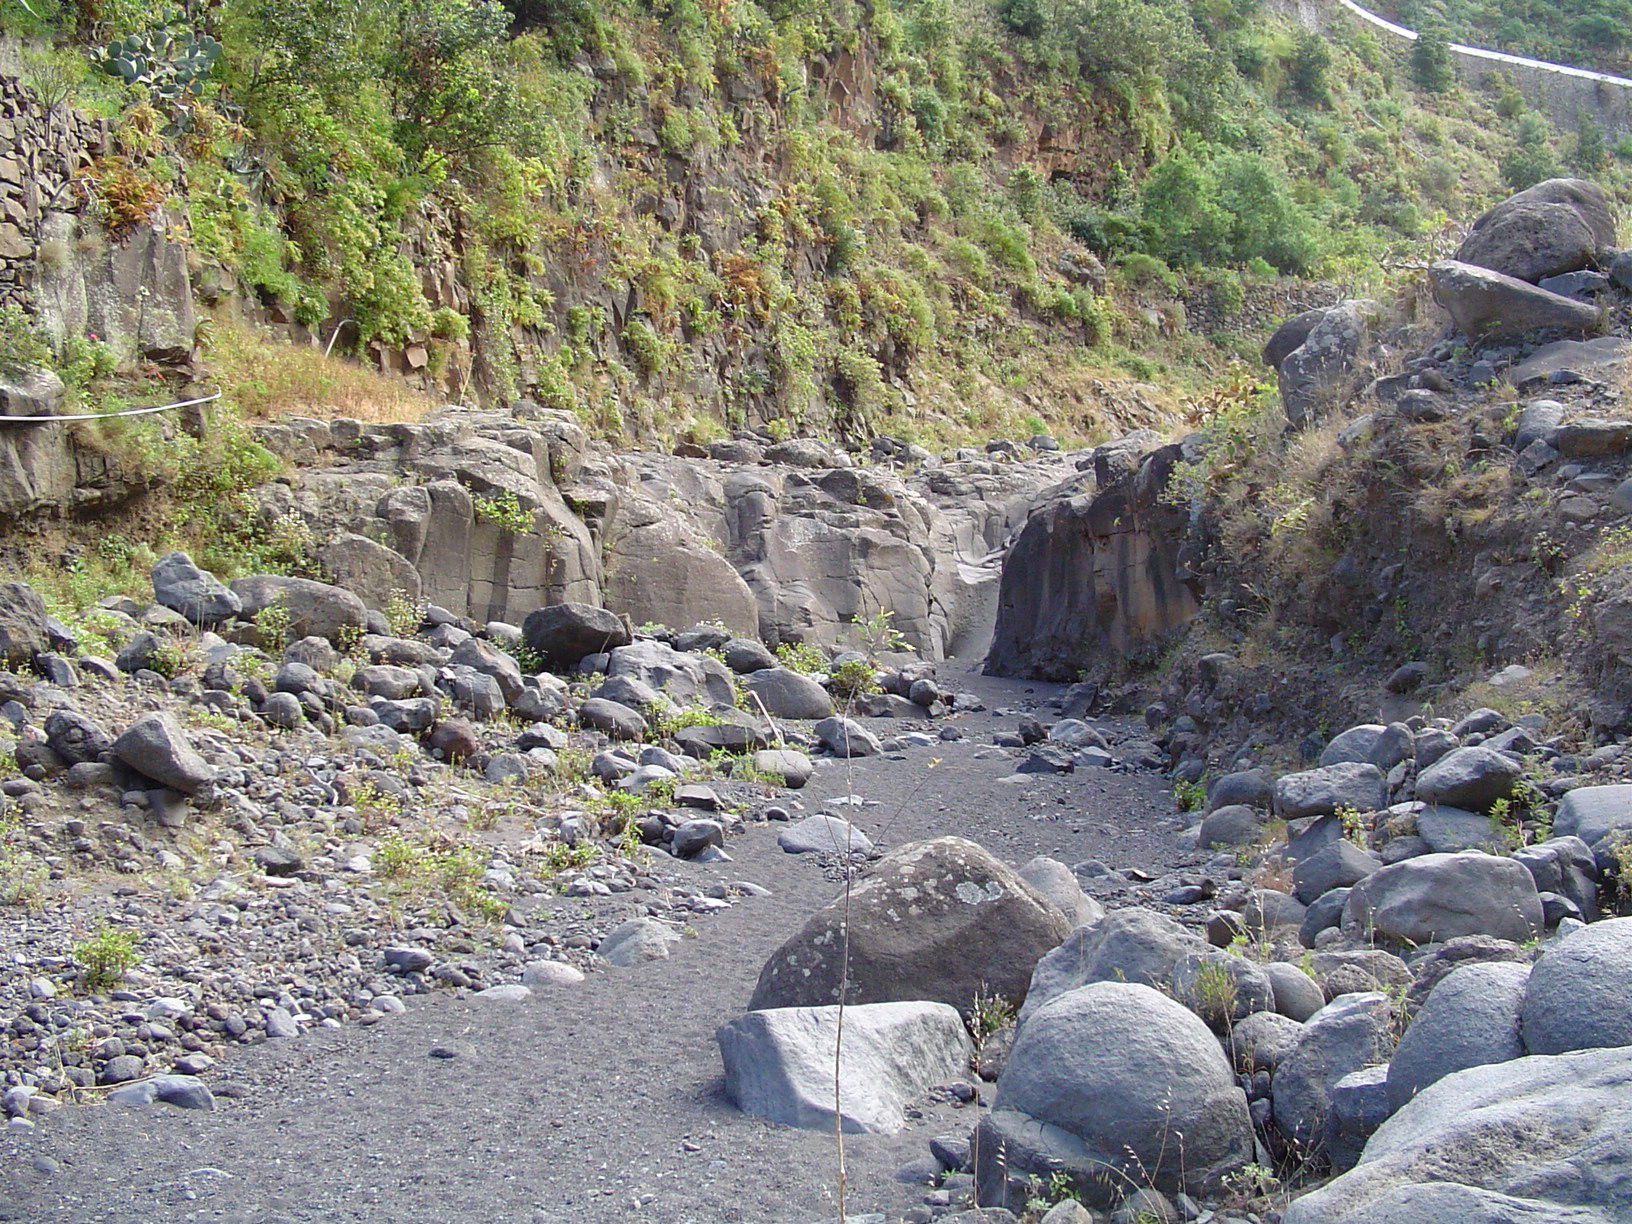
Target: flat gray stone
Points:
(779, 1063)
(823, 834)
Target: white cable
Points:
(102, 416)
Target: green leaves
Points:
(169, 62)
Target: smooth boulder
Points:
(1470, 1020)
(1350, 1033)
(1554, 227)
(563, 634)
(315, 609)
(1435, 897)
(1320, 792)
(1114, 1084)
(1591, 812)
(195, 593)
(1540, 1139)
(1127, 945)
(1580, 992)
(787, 694)
(156, 747)
(1487, 305)
(1470, 778)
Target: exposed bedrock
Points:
(499, 513)
(1098, 570)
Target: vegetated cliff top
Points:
(823, 217)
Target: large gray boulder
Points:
(488, 660)
(1383, 746)
(1059, 884)
(1339, 865)
(1470, 1020)
(315, 609)
(22, 625)
(787, 694)
(1557, 226)
(369, 570)
(845, 737)
(1542, 1140)
(1452, 1203)
(1318, 375)
(1449, 829)
(1351, 1032)
(613, 718)
(1589, 812)
(1127, 945)
(1487, 305)
(779, 1064)
(1436, 897)
(823, 834)
(1566, 866)
(1236, 824)
(75, 738)
(156, 747)
(1580, 992)
(562, 634)
(941, 920)
(1113, 1084)
(1290, 335)
(182, 587)
(1320, 792)
(684, 678)
(789, 766)
(1471, 778)
(1260, 1042)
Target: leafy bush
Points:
(504, 510)
(1431, 60)
(107, 956)
(22, 344)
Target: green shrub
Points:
(1430, 61)
(107, 956)
(21, 342)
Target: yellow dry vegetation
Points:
(267, 379)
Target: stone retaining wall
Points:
(41, 149)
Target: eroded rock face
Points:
(1094, 576)
(499, 513)
(941, 920)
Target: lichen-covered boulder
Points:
(941, 920)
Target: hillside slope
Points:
(818, 217)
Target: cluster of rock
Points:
(1112, 569)
(1454, 920)
(1406, 990)
(1533, 263)
(248, 757)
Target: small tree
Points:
(1307, 67)
(1591, 153)
(1431, 60)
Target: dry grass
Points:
(268, 380)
